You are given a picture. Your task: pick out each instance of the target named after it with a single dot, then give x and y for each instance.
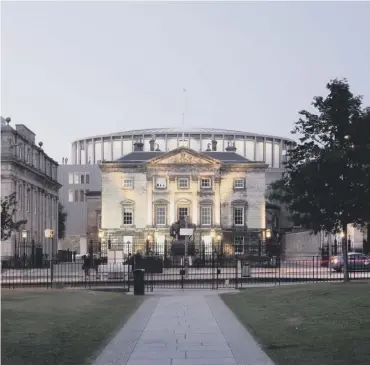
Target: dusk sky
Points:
(73, 70)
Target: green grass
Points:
(321, 324)
(60, 327)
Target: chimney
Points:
(138, 145)
(230, 147)
(152, 144)
(214, 145)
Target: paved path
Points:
(187, 328)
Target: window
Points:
(77, 177)
(87, 179)
(76, 195)
(239, 183)
(127, 216)
(82, 178)
(21, 151)
(70, 195)
(183, 183)
(206, 215)
(20, 197)
(35, 201)
(183, 143)
(160, 216)
(183, 212)
(82, 195)
(128, 183)
(205, 183)
(161, 183)
(238, 216)
(28, 200)
(29, 156)
(238, 245)
(70, 178)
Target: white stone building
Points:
(144, 192)
(29, 172)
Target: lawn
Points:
(68, 327)
(320, 324)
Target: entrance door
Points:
(159, 246)
(127, 245)
(207, 240)
(182, 212)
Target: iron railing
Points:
(212, 272)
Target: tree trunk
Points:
(345, 254)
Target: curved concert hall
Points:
(255, 147)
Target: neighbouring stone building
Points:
(30, 173)
(222, 192)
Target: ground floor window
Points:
(238, 245)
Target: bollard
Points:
(139, 283)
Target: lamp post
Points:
(24, 236)
(147, 248)
(213, 235)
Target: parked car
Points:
(356, 262)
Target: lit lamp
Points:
(24, 236)
(268, 233)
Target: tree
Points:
(8, 209)
(326, 182)
(62, 221)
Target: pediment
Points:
(127, 202)
(183, 156)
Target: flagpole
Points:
(183, 113)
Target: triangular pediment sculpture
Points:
(183, 156)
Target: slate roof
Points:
(143, 156)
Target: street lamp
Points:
(24, 236)
(268, 233)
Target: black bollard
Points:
(139, 283)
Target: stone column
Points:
(171, 208)
(149, 186)
(195, 200)
(217, 202)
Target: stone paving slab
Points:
(120, 348)
(183, 329)
(243, 346)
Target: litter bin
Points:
(246, 271)
(139, 284)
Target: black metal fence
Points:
(209, 272)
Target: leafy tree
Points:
(326, 182)
(8, 209)
(62, 221)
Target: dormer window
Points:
(161, 183)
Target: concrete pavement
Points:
(185, 328)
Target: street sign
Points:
(186, 231)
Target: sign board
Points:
(186, 231)
(49, 233)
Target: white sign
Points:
(49, 233)
(186, 231)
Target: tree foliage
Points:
(326, 184)
(62, 221)
(8, 209)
